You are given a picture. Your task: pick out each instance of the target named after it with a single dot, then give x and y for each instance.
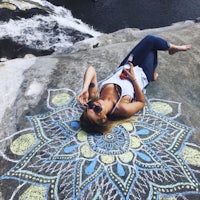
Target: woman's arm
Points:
(132, 108)
(90, 86)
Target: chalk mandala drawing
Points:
(147, 158)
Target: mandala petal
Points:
(161, 107)
(86, 152)
(70, 127)
(87, 171)
(120, 169)
(191, 154)
(16, 146)
(23, 143)
(68, 151)
(128, 126)
(90, 168)
(144, 157)
(127, 157)
(167, 198)
(82, 136)
(107, 159)
(142, 132)
(135, 142)
(123, 178)
(75, 125)
(148, 132)
(70, 122)
(34, 192)
(59, 97)
(70, 148)
(169, 108)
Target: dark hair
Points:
(90, 126)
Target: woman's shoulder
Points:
(121, 107)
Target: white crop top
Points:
(125, 85)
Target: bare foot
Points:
(155, 75)
(176, 48)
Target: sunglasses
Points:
(97, 109)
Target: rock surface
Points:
(24, 82)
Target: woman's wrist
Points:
(86, 87)
(133, 79)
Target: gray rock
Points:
(24, 82)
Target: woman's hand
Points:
(88, 92)
(83, 96)
(139, 96)
(130, 73)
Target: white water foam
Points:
(54, 31)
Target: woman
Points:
(120, 97)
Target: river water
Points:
(111, 15)
(42, 27)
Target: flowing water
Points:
(42, 27)
(52, 29)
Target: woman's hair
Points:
(90, 126)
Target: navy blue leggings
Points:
(145, 54)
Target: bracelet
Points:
(91, 85)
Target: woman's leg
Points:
(176, 48)
(145, 54)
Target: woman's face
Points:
(95, 111)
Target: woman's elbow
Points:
(142, 104)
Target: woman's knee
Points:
(150, 37)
